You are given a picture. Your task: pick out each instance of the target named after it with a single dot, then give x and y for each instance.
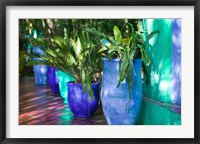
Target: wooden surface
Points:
(38, 106)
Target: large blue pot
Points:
(78, 100)
(53, 80)
(118, 108)
(40, 71)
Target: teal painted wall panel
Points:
(160, 53)
(153, 114)
(164, 87)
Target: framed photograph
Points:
(99, 71)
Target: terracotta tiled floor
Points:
(38, 106)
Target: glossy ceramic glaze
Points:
(118, 108)
(53, 80)
(78, 100)
(64, 78)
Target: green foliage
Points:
(124, 47)
(121, 47)
(77, 59)
(29, 29)
(74, 46)
(22, 62)
(67, 47)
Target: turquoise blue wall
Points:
(160, 53)
(153, 114)
(164, 72)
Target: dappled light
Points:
(100, 71)
(164, 86)
(164, 70)
(161, 60)
(176, 63)
(38, 106)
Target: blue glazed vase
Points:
(40, 71)
(64, 78)
(53, 80)
(118, 108)
(40, 74)
(78, 100)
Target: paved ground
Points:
(38, 106)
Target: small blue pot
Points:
(40, 74)
(40, 71)
(53, 80)
(78, 100)
(118, 108)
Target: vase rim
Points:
(72, 83)
(116, 59)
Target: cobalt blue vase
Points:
(118, 107)
(78, 100)
(40, 71)
(53, 80)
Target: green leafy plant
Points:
(126, 44)
(79, 52)
(76, 57)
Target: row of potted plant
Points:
(82, 63)
(74, 60)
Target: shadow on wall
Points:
(176, 62)
(164, 72)
(165, 54)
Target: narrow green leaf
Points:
(102, 49)
(129, 77)
(94, 31)
(84, 80)
(89, 86)
(122, 72)
(117, 35)
(130, 71)
(145, 56)
(152, 34)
